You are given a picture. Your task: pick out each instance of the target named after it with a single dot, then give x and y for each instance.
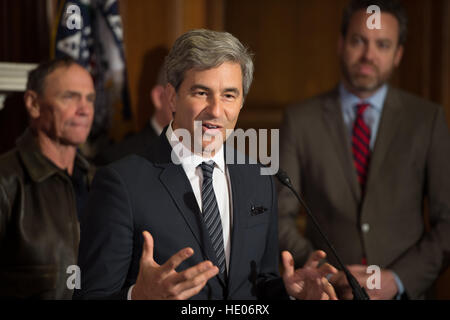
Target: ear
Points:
(31, 103)
(156, 96)
(171, 95)
(398, 56)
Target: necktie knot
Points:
(361, 107)
(207, 168)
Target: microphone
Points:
(359, 293)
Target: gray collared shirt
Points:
(371, 116)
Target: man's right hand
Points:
(161, 282)
(387, 290)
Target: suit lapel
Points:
(389, 123)
(335, 124)
(174, 180)
(239, 219)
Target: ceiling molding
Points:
(13, 76)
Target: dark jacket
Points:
(135, 144)
(39, 229)
(152, 193)
(410, 161)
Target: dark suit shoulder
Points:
(253, 171)
(130, 165)
(249, 167)
(134, 144)
(415, 111)
(414, 103)
(257, 174)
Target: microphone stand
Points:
(359, 293)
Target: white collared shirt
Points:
(221, 184)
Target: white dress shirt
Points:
(221, 184)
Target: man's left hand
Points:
(309, 282)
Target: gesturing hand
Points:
(387, 290)
(309, 282)
(157, 282)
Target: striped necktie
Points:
(361, 145)
(211, 214)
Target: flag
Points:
(90, 31)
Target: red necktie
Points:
(361, 145)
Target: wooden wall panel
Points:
(441, 69)
(295, 45)
(425, 67)
(146, 37)
(24, 37)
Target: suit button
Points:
(365, 227)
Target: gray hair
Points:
(205, 49)
(37, 77)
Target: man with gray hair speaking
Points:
(183, 221)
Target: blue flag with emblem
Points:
(90, 31)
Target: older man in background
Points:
(44, 184)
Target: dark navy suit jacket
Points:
(152, 193)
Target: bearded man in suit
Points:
(366, 156)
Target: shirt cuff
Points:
(129, 292)
(401, 288)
